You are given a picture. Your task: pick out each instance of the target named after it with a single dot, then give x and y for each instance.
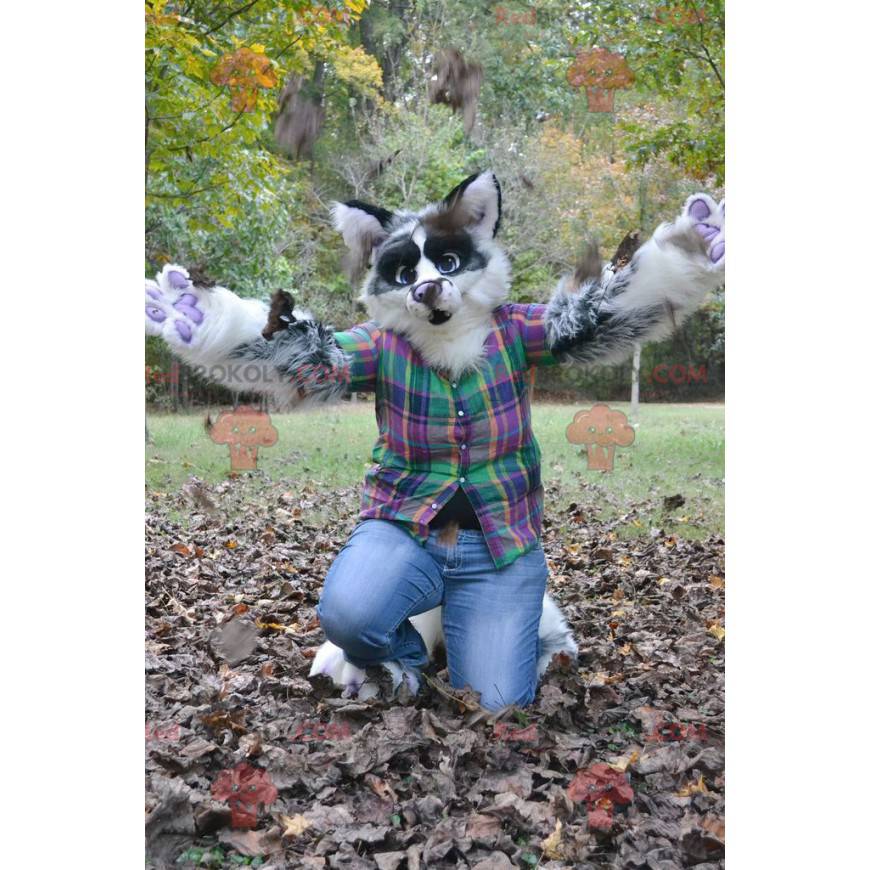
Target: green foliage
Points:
(677, 51)
(215, 193)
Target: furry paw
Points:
(330, 661)
(174, 308)
(354, 681)
(708, 220)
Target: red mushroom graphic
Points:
(245, 430)
(602, 430)
(601, 788)
(601, 72)
(244, 787)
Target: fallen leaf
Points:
(293, 826)
(551, 844)
(698, 787)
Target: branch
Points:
(289, 45)
(208, 138)
(233, 14)
(188, 193)
(704, 44)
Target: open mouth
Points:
(437, 317)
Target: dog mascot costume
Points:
(448, 545)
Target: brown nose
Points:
(426, 292)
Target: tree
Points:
(677, 51)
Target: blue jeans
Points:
(490, 617)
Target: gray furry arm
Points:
(598, 314)
(221, 336)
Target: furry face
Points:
(434, 276)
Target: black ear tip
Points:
(383, 215)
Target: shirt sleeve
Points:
(533, 331)
(361, 344)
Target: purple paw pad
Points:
(699, 210)
(717, 252)
(184, 330)
(154, 294)
(158, 315)
(707, 231)
(177, 280)
(187, 305)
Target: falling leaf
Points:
(716, 582)
(231, 544)
(181, 550)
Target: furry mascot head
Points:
(434, 275)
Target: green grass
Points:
(677, 449)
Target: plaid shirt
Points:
(438, 434)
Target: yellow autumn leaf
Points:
(716, 582)
(625, 761)
(293, 826)
(551, 844)
(698, 787)
(716, 630)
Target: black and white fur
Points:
(436, 277)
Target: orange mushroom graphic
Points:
(601, 72)
(245, 430)
(680, 14)
(601, 430)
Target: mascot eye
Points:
(404, 275)
(447, 264)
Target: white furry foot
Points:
(554, 635)
(354, 681)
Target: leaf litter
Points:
(619, 763)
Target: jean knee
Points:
(350, 627)
(496, 699)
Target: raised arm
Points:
(597, 315)
(221, 335)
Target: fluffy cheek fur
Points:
(457, 345)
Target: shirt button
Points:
(462, 446)
(434, 505)
(454, 385)
(462, 480)
(462, 413)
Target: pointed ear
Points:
(475, 204)
(363, 228)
